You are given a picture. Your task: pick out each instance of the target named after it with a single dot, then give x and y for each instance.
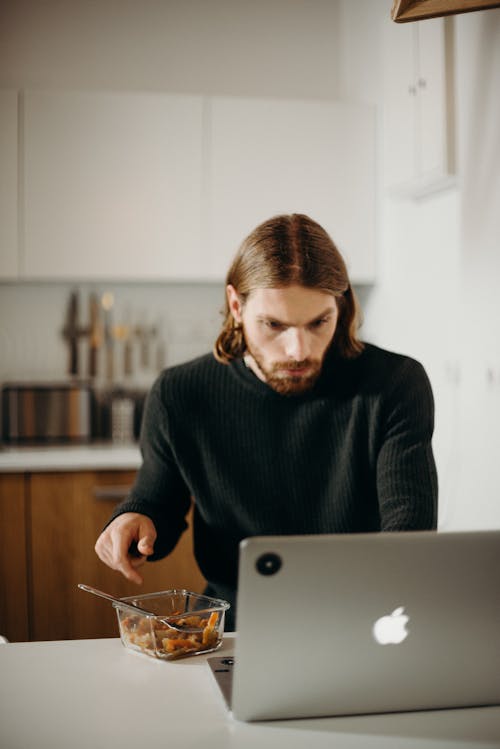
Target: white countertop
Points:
(106, 457)
(95, 693)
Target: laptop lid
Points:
(351, 624)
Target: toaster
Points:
(37, 412)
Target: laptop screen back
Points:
(351, 624)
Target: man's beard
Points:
(287, 384)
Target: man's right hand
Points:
(113, 545)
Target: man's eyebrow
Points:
(328, 311)
(271, 318)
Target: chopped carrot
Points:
(208, 631)
(171, 645)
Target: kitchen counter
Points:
(105, 457)
(94, 693)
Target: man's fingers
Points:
(126, 543)
(146, 537)
(112, 548)
(130, 573)
(146, 545)
(123, 560)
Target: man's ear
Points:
(234, 303)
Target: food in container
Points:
(175, 623)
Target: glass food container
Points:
(175, 623)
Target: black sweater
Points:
(352, 455)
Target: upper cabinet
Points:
(125, 186)
(112, 185)
(419, 123)
(269, 156)
(8, 185)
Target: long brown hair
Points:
(284, 251)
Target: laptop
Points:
(368, 623)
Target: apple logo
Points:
(391, 629)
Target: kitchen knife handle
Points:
(92, 361)
(110, 361)
(73, 356)
(127, 359)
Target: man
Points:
(292, 426)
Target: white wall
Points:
(258, 47)
(477, 497)
(439, 262)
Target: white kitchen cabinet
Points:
(269, 156)
(419, 137)
(112, 185)
(164, 187)
(8, 185)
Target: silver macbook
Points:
(370, 623)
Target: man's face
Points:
(287, 332)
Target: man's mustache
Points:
(292, 365)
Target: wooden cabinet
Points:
(419, 122)
(112, 185)
(63, 515)
(270, 156)
(9, 267)
(14, 603)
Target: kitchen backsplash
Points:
(186, 319)
(142, 327)
(182, 321)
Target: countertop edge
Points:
(70, 458)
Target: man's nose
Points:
(297, 345)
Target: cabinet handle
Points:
(111, 492)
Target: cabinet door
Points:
(68, 511)
(419, 138)
(400, 104)
(434, 82)
(284, 156)
(112, 185)
(13, 570)
(8, 185)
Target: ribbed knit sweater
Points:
(351, 455)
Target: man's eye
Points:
(319, 323)
(273, 325)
